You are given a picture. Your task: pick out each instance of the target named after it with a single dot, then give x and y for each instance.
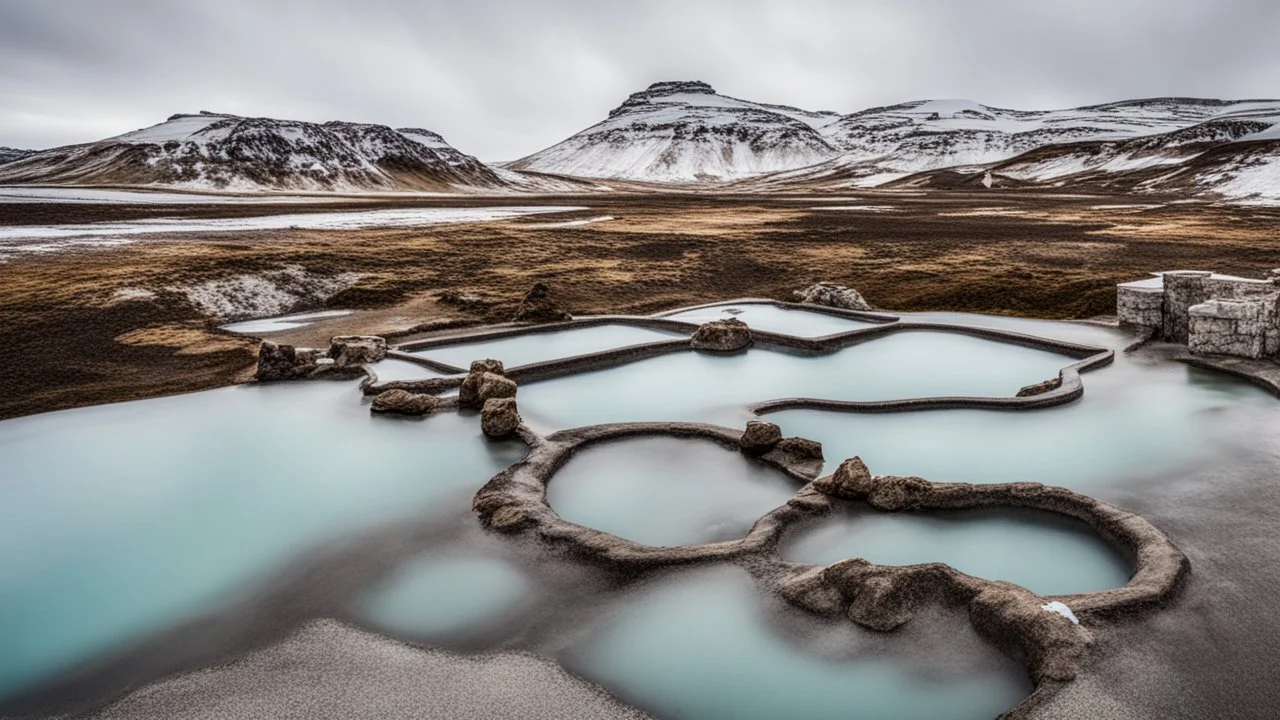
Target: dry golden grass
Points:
(1017, 253)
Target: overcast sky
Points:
(504, 78)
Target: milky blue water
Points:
(544, 346)
(703, 387)
(667, 491)
(443, 596)
(284, 322)
(771, 318)
(121, 520)
(1137, 420)
(392, 369)
(1044, 553)
(700, 647)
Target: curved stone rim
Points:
(879, 597)
(523, 489)
(1089, 357)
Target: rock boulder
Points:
(357, 349)
(493, 386)
(832, 295)
(403, 402)
(538, 307)
(469, 392)
(499, 418)
(851, 481)
(729, 335)
(760, 437)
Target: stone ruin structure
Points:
(1211, 314)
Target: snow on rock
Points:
(269, 293)
(686, 132)
(1061, 609)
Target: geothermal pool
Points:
(691, 386)
(667, 491)
(122, 525)
(1044, 553)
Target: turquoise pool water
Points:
(667, 491)
(716, 388)
(702, 647)
(1044, 553)
(444, 596)
(122, 520)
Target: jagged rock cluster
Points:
(488, 389)
(345, 356)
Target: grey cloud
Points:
(504, 78)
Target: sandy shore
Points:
(328, 670)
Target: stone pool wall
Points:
(1209, 313)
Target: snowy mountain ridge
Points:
(686, 132)
(233, 153)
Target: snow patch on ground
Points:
(131, 294)
(863, 208)
(359, 220)
(1256, 183)
(265, 294)
(573, 223)
(8, 250)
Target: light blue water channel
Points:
(771, 318)
(541, 347)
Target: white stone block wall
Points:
(1212, 314)
(1182, 290)
(1140, 306)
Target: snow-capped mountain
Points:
(8, 154)
(1235, 155)
(227, 152)
(881, 145)
(685, 132)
